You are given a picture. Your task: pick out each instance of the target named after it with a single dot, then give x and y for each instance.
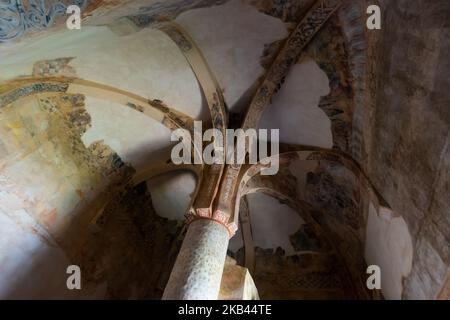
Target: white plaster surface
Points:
(171, 193)
(232, 38)
(389, 245)
(134, 136)
(32, 265)
(146, 63)
(272, 222)
(294, 110)
(25, 271)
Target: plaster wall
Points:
(408, 139)
(171, 193)
(232, 37)
(389, 246)
(272, 222)
(295, 110)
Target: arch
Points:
(19, 88)
(204, 197)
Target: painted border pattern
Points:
(19, 16)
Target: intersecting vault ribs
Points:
(288, 56)
(339, 234)
(207, 188)
(224, 180)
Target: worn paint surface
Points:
(62, 156)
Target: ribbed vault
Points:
(72, 172)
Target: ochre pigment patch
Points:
(49, 163)
(48, 68)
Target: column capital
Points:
(218, 216)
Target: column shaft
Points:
(197, 272)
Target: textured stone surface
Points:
(198, 269)
(310, 275)
(130, 250)
(409, 155)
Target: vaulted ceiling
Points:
(86, 118)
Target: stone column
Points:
(197, 272)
